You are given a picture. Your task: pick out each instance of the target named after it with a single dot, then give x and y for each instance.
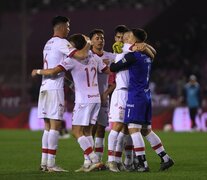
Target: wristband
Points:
(38, 71)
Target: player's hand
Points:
(87, 39)
(117, 47)
(139, 47)
(34, 72)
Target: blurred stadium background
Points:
(176, 28)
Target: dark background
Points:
(177, 29)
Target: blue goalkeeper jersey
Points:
(139, 66)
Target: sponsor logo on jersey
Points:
(93, 95)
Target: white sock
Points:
(139, 145)
(90, 139)
(44, 147)
(99, 147)
(128, 150)
(119, 147)
(85, 145)
(52, 147)
(155, 142)
(112, 140)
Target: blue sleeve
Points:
(124, 63)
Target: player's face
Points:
(66, 29)
(119, 37)
(98, 41)
(126, 37)
(131, 38)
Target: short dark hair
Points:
(58, 20)
(140, 34)
(121, 29)
(96, 31)
(78, 40)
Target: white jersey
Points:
(122, 77)
(107, 58)
(84, 75)
(56, 49)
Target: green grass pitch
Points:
(20, 158)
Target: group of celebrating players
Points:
(128, 110)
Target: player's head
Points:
(77, 40)
(119, 32)
(97, 38)
(192, 78)
(138, 35)
(61, 25)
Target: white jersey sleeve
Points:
(66, 48)
(122, 77)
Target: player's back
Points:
(56, 49)
(139, 72)
(84, 75)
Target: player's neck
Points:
(97, 51)
(58, 34)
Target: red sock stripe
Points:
(127, 148)
(100, 149)
(88, 151)
(110, 153)
(157, 146)
(44, 150)
(139, 149)
(52, 151)
(118, 154)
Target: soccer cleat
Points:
(113, 166)
(93, 166)
(120, 166)
(166, 165)
(56, 169)
(81, 169)
(142, 168)
(43, 168)
(129, 168)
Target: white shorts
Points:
(103, 115)
(118, 105)
(85, 114)
(51, 104)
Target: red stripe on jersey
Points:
(157, 146)
(139, 149)
(118, 154)
(88, 151)
(110, 153)
(99, 149)
(127, 148)
(44, 150)
(52, 151)
(72, 53)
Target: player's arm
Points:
(145, 48)
(47, 72)
(124, 63)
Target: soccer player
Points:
(97, 39)
(138, 107)
(51, 96)
(87, 98)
